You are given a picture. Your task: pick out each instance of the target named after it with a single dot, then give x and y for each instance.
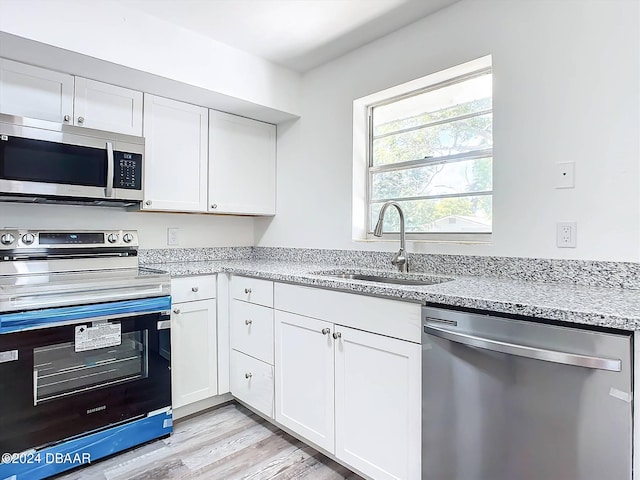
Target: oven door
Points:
(93, 367)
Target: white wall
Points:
(566, 88)
(108, 31)
(194, 230)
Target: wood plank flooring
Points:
(228, 443)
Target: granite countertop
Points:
(600, 306)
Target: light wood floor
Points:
(227, 443)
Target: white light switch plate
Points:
(565, 175)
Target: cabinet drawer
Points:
(252, 330)
(252, 290)
(188, 289)
(252, 382)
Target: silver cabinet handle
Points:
(67, 118)
(247, 291)
(148, 202)
(248, 322)
(176, 311)
(80, 119)
(599, 363)
(195, 289)
(214, 206)
(110, 172)
(248, 375)
(326, 331)
(337, 335)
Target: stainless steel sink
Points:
(393, 280)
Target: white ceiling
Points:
(298, 34)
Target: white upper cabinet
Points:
(175, 174)
(34, 92)
(28, 91)
(242, 165)
(107, 107)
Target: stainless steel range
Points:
(84, 349)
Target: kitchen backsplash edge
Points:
(542, 270)
(174, 255)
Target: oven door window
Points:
(59, 370)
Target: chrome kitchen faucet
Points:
(400, 259)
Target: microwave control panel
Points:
(128, 170)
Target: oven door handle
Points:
(555, 356)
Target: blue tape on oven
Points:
(38, 464)
(13, 322)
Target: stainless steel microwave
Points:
(45, 161)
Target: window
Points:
(429, 147)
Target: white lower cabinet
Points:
(378, 404)
(354, 393)
(251, 330)
(251, 339)
(304, 377)
(251, 381)
(194, 374)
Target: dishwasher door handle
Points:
(587, 361)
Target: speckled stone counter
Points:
(589, 305)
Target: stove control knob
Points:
(127, 237)
(28, 238)
(7, 239)
(112, 238)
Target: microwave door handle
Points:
(566, 358)
(109, 188)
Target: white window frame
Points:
(361, 154)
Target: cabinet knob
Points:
(248, 375)
(148, 202)
(247, 291)
(248, 322)
(195, 289)
(326, 331)
(214, 206)
(337, 335)
(176, 311)
(67, 118)
(80, 120)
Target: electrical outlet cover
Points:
(566, 234)
(172, 237)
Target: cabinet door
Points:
(107, 107)
(242, 165)
(28, 91)
(175, 174)
(304, 377)
(378, 404)
(193, 352)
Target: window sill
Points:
(465, 239)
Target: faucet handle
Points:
(401, 261)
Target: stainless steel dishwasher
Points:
(507, 399)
